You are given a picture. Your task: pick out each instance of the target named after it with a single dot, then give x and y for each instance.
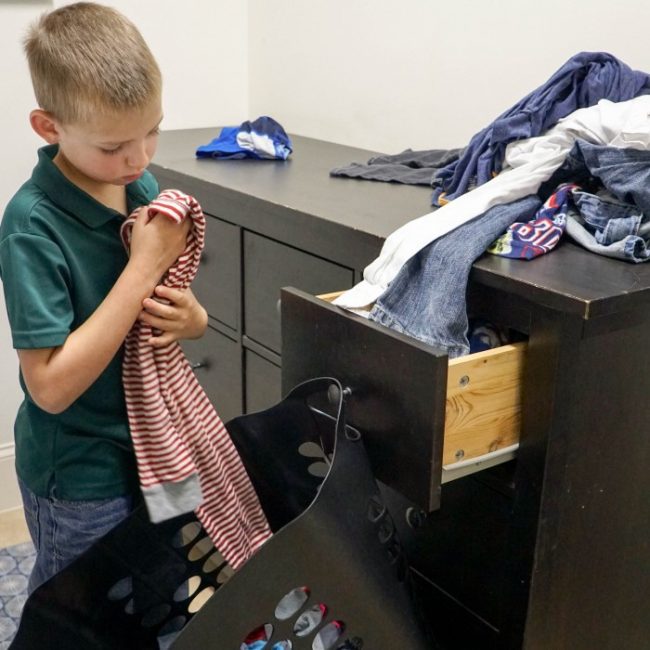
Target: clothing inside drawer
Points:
(426, 419)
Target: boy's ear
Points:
(45, 125)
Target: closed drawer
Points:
(419, 411)
(217, 282)
(263, 382)
(268, 266)
(216, 360)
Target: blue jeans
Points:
(618, 226)
(62, 530)
(427, 298)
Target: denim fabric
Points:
(610, 220)
(582, 81)
(530, 163)
(426, 300)
(409, 167)
(632, 248)
(616, 226)
(62, 530)
(607, 227)
(623, 172)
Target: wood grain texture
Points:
(483, 410)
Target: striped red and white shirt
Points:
(186, 459)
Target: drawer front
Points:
(398, 388)
(217, 282)
(269, 266)
(418, 410)
(263, 382)
(217, 364)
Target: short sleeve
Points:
(36, 283)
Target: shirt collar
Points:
(73, 199)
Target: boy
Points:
(72, 293)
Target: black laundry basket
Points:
(332, 576)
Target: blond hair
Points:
(87, 58)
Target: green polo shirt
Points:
(60, 254)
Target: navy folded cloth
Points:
(409, 167)
(262, 139)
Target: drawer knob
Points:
(333, 394)
(415, 517)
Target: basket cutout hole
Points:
(187, 588)
(170, 630)
(213, 563)
(386, 530)
(225, 574)
(321, 467)
(309, 620)
(291, 603)
(376, 509)
(200, 549)
(187, 534)
(121, 589)
(328, 636)
(200, 599)
(262, 633)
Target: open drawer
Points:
(425, 418)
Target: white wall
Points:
(201, 46)
(202, 49)
(16, 159)
(377, 74)
(388, 75)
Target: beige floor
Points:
(13, 529)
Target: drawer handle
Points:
(195, 365)
(333, 395)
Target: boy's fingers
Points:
(162, 341)
(173, 295)
(159, 309)
(159, 322)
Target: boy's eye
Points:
(111, 151)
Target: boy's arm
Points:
(56, 377)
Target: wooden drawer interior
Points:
(483, 404)
(420, 412)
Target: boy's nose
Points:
(138, 158)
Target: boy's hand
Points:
(182, 318)
(158, 243)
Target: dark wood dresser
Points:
(549, 551)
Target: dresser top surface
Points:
(570, 278)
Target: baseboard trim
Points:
(10, 494)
